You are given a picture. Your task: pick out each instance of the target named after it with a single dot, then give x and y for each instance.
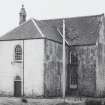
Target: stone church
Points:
(31, 57)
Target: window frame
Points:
(73, 84)
(18, 53)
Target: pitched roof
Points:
(79, 30)
(49, 32)
(32, 29)
(82, 29)
(24, 31)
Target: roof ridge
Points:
(38, 28)
(70, 17)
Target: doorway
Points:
(17, 86)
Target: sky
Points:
(46, 9)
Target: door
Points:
(17, 87)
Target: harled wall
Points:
(86, 70)
(53, 68)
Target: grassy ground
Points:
(59, 101)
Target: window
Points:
(73, 70)
(73, 58)
(73, 80)
(59, 67)
(18, 53)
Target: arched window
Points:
(18, 52)
(74, 59)
(73, 69)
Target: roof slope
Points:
(24, 31)
(79, 30)
(32, 29)
(49, 32)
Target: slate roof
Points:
(79, 30)
(32, 29)
(24, 31)
(85, 29)
(49, 32)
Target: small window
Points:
(18, 52)
(59, 67)
(73, 81)
(73, 58)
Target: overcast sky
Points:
(43, 9)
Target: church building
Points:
(31, 62)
